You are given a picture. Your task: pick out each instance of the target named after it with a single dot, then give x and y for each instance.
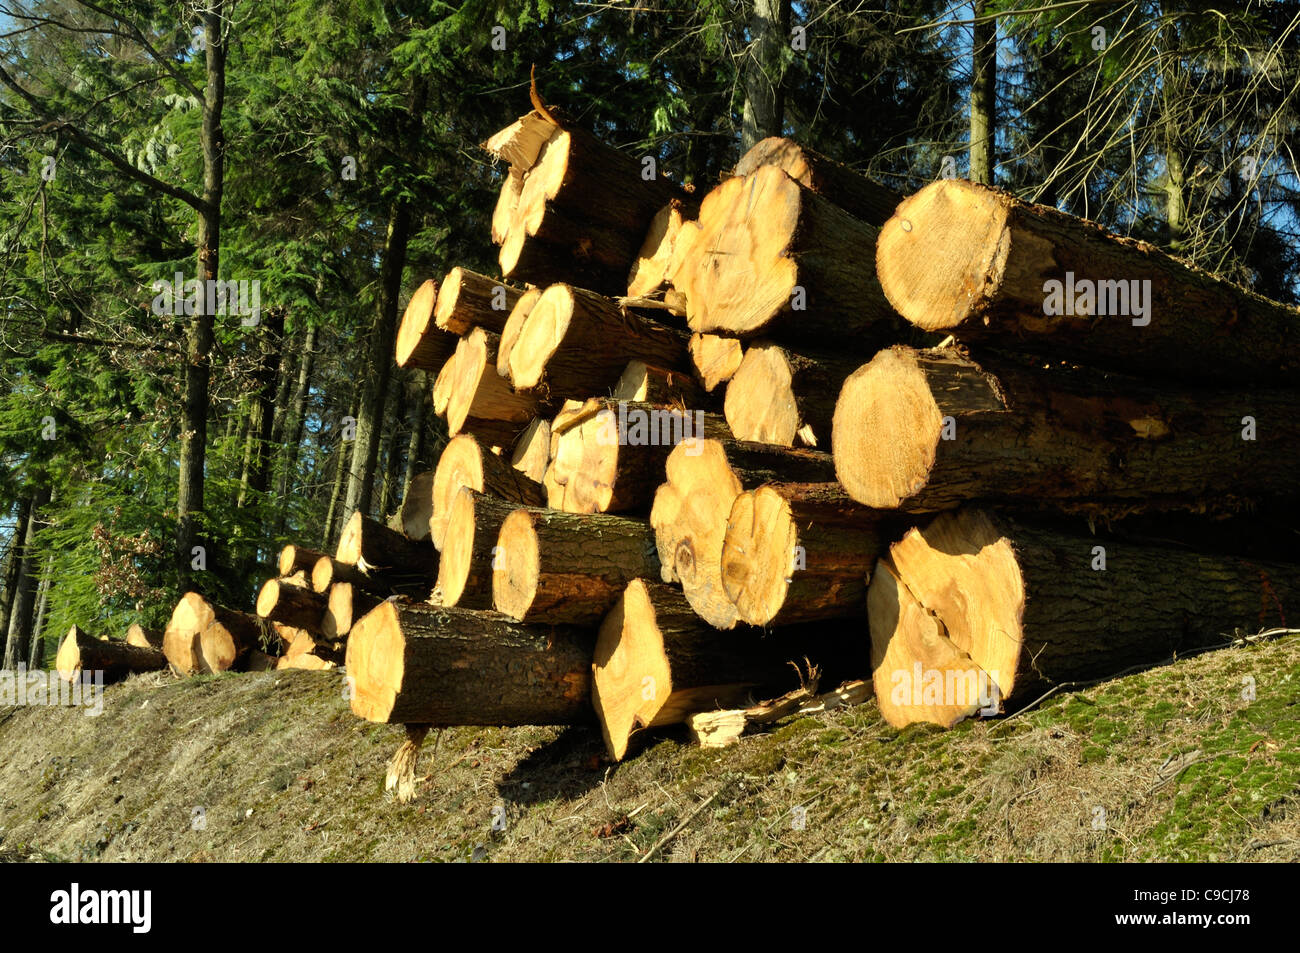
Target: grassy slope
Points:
(285, 773)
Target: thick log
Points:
(974, 262)
(656, 663)
(691, 509)
(608, 456)
(204, 638)
(296, 606)
(295, 559)
(468, 300)
(532, 451)
(465, 462)
(79, 652)
(716, 359)
(1025, 607)
(781, 397)
(414, 663)
(417, 507)
(775, 259)
(420, 342)
(799, 552)
(138, 635)
(469, 550)
(479, 397)
(514, 324)
(575, 343)
(659, 386)
(582, 212)
(928, 430)
(568, 567)
(859, 195)
(374, 548)
(345, 604)
(443, 383)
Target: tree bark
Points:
(414, 663)
(764, 109)
(469, 550)
(23, 607)
(468, 300)
(80, 652)
(296, 606)
(257, 442)
(983, 90)
(860, 196)
(296, 417)
(374, 548)
(345, 605)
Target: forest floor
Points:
(1173, 763)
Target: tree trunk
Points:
(345, 605)
(296, 417)
(468, 300)
(983, 91)
(203, 637)
(772, 258)
(656, 662)
(1009, 264)
(416, 403)
(532, 452)
(691, 509)
(514, 324)
(13, 563)
(23, 607)
(467, 463)
(198, 343)
(609, 456)
(575, 344)
(974, 600)
(294, 559)
(659, 386)
(860, 196)
(420, 342)
(141, 637)
(764, 109)
(799, 552)
(36, 654)
(257, 443)
(565, 567)
(296, 606)
(469, 550)
(478, 397)
(373, 547)
(80, 652)
(336, 493)
(414, 582)
(393, 417)
(414, 663)
(716, 359)
(778, 396)
(927, 430)
(417, 506)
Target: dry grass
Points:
(1182, 765)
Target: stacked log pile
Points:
(693, 466)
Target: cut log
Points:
(532, 451)
(1025, 607)
(656, 663)
(974, 262)
(798, 552)
(859, 195)
(297, 559)
(478, 396)
(417, 507)
(414, 663)
(420, 342)
(138, 635)
(582, 212)
(521, 141)
(465, 462)
(691, 509)
(575, 343)
(566, 567)
(659, 386)
(773, 258)
(780, 397)
(203, 637)
(79, 652)
(649, 277)
(444, 382)
(374, 548)
(608, 457)
(514, 324)
(468, 300)
(296, 606)
(346, 604)
(928, 430)
(716, 358)
(469, 550)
